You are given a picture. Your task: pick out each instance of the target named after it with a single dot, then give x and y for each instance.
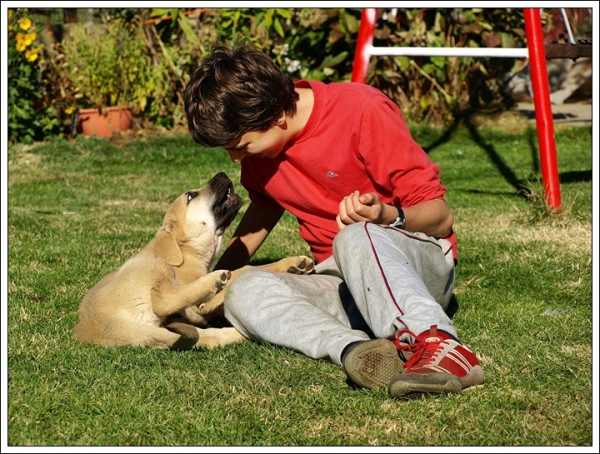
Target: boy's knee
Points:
(350, 233)
(350, 237)
(247, 288)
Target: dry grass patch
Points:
(569, 236)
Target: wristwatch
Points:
(400, 220)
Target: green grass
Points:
(77, 210)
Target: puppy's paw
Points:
(302, 265)
(195, 315)
(222, 278)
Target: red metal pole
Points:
(543, 107)
(364, 41)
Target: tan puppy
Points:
(163, 295)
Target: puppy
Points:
(164, 295)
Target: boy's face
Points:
(266, 144)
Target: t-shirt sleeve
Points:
(393, 158)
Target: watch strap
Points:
(400, 220)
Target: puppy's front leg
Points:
(169, 298)
(295, 265)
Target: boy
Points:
(370, 205)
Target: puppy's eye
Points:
(191, 195)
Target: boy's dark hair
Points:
(236, 89)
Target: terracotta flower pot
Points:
(104, 122)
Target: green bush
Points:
(317, 43)
(167, 44)
(439, 90)
(108, 65)
(29, 115)
(177, 44)
(308, 43)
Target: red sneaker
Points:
(439, 365)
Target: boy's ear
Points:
(281, 119)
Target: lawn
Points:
(78, 209)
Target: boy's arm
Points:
(253, 229)
(432, 217)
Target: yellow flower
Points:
(24, 41)
(30, 38)
(10, 13)
(21, 46)
(69, 110)
(31, 55)
(25, 24)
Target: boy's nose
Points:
(236, 156)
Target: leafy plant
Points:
(29, 116)
(319, 43)
(308, 43)
(144, 57)
(108, 65)
(176, 45)
(439, 90)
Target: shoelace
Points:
(422, 349)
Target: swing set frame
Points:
(537, 53)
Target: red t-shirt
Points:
(355, 139)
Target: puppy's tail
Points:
(188, 335)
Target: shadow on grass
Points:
(452, 307)
(521, 186)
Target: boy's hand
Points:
(360, 208)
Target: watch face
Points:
(400, 220)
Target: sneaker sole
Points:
(405, 389)
(373, 363)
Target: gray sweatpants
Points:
(378, 281)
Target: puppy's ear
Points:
(166, 248)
